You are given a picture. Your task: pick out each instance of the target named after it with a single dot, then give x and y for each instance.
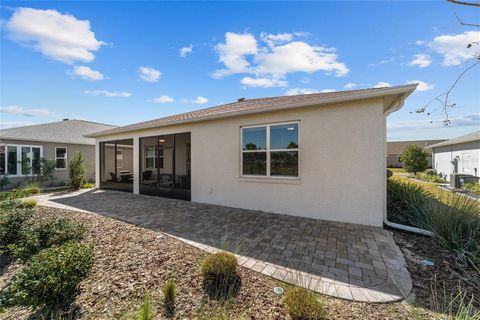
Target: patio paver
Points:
(344, 260)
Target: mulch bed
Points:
(447, 277)
(132, 261)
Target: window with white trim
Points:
(20, 160)
(270, 150)
(154, 157)
(61, 158)
(119, 158)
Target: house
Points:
(300, 155)
(395, 150)
(457, 155)
(53, 141)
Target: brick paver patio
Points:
(343, 260)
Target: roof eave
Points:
(402, 91)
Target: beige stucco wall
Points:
(49, 153)
(341, 163)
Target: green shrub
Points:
(27, 203)
(76, 170)
(9, 204)
(453, 219)
(220, 275)
(88, 185)
(54, 232)
(414, 159)
(406, 203)
(57, 231)
(14, 225)
(31, 188)
(430, 178)
(473, 187)
(51, 278)
(146, 310)
(169, 292)
(304, 305)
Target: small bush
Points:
(51, 278)
(430, 178)
(28, 203)
(414, 159)
(57, 231)
(304, 305)
(473, 187)
(31, 188)
(220, 275)
(14, 225)
(406, 203)
(169, 292)
(76, 170)
(146, 310)
(54, 232)
(88, 185)
(9, 204)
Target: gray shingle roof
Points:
(265, 104)
(474, 136)
(68, 131)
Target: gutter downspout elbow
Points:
(406, 228)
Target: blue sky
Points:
(122, 62)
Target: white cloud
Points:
(470, 120)
(14, 124)
(233, 53)
(419, 42)
(107, 93)
(454, 49)
(186, 50)
(149, 74)
(60, 37)
(242, 54)
(297, 91)
(163, 99)
(382, 84)
(420, 60)
(199, 100)
(263, 82)
(422, 86)
(350, 86)
(327, 90)
(87, 73)
(16, 110)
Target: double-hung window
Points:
(154, 157)
(270, 150)
(61, 158)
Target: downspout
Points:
(393, 107)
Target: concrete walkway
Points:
(344, 260)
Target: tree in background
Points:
(414, 159)
(76, 170)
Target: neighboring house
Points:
(395, 150)
(53, 141)
(316, 155)
(458, 155)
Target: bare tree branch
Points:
(465, 23)
(465, 3)
(444, 101)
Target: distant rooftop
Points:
(397, 147)
(474, 136)
(66, 131)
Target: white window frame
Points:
(19, 159)
(66, 159)
(268, 151)
(155, 161)
(116, 156)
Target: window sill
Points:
(60, 169)
(278, 180)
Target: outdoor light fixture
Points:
(290, 129)
(161, 140)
